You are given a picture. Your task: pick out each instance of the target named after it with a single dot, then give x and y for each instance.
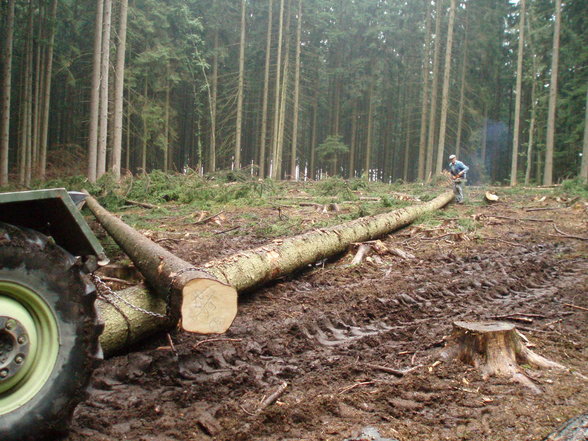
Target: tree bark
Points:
(206, 305)
(462, 86)
(425, 96)
(239, 123)
(46, 90)
(518, 92)
(250, 268)
(296, 112)
(124, 325)
(95, 93)
(6, 94)
(353, 143)
(494, 348)
(584, 166)
(119, 82)
(212, 96)
(104, 72)
(370, 128)
(264, 106)
(550, 140)
(435, 80)
(445, 94)
(274, 154)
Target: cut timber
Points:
(208, 306)
(251, 268)
(490, 197)
(125, 325)
(494, 348)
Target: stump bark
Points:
(494, 348)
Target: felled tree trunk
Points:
(206, 304)
(494, 348)
(243, 270)
(250, 268)
(125, 325)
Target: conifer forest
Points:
(294, 89)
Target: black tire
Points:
(33, 261)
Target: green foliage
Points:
(575, 187)
(334, 187)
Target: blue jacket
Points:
(457, 168)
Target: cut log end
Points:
(208, 306)
(494, 348)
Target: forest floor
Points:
(326, 332)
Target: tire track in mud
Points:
(319, 332)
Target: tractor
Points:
(49, 328)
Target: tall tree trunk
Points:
(213, 95)
(518, 92)
(550, 140)
(353, 143)
(26, 106)
(445, 96)
(240, 92)
(166, 150)
(6, 94)
(584, 166)
(284, 98)
(38, 78)
(484, 135)
(145, 132)
(425, 96)
(434, 82)
(531, 133)
(314, 133)
(105, 70)
(47, 92)
(370, 129)
(119, 84)
(464, 62)
(265, 99)
(274, 155)
(95, 93)
(294, 146)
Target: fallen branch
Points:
(397, 372)
(140, 204)
(581, 308)
(353, 386)
(273, 397)
(206, 219)
(569, 236)
(528, 219)
(543, 209)
(212, 340)
(117, 280)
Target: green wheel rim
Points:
(34, 314)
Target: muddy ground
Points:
(326, 331)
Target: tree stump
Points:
(494, 348)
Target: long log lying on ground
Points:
(250, 268)
(125, 325)
(207, 304)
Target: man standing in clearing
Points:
(458, 173)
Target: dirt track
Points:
(325, 332)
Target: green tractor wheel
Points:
(48, 335)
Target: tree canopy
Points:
(348, 87)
